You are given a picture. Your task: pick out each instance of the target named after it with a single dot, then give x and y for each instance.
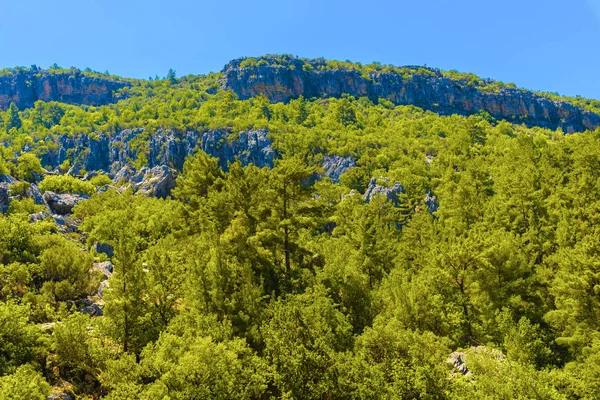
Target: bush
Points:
(100, 180)
(66, 184)
(25, 384)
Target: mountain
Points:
(293, 228)
(283, 78)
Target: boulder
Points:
(124, 174)
(66, 224)
(33, 192)
(93, 310)
(157, 182)
(101, 288)
(8, 179)
(61, 396)
(389, 191)
(458, 360)
(37, 217)
(335, 166)
(106, 268)
(62, 204)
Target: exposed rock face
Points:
(62, 204)
(430, 91)
(335, 166)
(25, 87)
(156, 182)
(431, 202)
(169, 148)
(8, 179)
(106, 269)
(250, 147)
(110, 154)
(391, 192)
(33, 192)
(458, 360)
(4, 197)
(104, 248)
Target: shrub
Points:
(66, 184)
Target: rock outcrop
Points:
(423, 87)
(156, 182)
(250, 147)
(62, 204)
(431, 202)
(112, 153)
(26, 86)
(392, 192)
(106, 270)
(104, 248)
(335, 166)
(4, 197)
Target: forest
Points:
(478, 279)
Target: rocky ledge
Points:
(423, 87)
(26, 86)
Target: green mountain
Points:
(293, 228)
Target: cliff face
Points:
(24, 88)
(110, 154)
(430, 91)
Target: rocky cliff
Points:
(25, 86)
(424, 87)
(101, 152)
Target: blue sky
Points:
(551, 45)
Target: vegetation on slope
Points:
(263, 283)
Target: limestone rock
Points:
(391, 192)
(124, 174)
(104, 248)
(33, 192)
(37, 217)
(250, 147)
(8, 179)
(431, 202)
(157, 182)
(4, 198)
(106, 268)
(63, 204)
(335, 166)
(25, 87)
(458, 360)
(93, 310)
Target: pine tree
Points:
(12, 119)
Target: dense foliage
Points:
(268, 283)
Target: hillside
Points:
(293, 228)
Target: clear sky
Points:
(551, 45)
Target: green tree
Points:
(12, 120)
(25, 384)
(302, 339)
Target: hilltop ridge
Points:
(282, 78)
